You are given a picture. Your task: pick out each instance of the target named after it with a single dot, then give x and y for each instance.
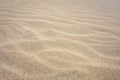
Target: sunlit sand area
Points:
(59, 39)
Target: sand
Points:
(59, 39)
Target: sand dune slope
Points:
(59, 40)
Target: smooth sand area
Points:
(59, 39)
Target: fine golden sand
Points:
(59, 39)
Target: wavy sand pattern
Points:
(59, 40)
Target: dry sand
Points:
(59, 39)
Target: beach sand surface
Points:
(59, 39)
